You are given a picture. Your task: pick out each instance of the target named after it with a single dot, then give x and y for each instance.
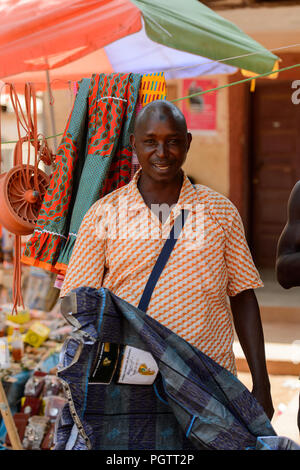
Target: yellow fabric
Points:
(152, 87)
(272, 76)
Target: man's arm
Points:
(248, 326)
(288, 249)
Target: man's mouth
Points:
(161, 166)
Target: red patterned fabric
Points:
(93, 157)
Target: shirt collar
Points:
(188, 195)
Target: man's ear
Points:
(189, 140)
(132, 141)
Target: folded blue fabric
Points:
(194, 403)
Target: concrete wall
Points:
(273, 27)
(9, 132)
(60, 104)
(207, 160)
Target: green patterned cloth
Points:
(93, 159)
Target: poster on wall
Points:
(200, 111)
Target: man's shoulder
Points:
(103, 206)
(112, 198)
(295, 194)
(296, 188)
(294, 204)
(214, 199)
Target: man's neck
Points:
(154, 192)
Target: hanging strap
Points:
(162, 259)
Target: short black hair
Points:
(162, 108)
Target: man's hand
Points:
(263, 396)
(247, 322)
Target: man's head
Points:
(161, 140)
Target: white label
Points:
(138, 367)
(4, 354)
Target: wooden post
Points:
(9, 421)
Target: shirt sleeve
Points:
(242, 273)
(86, 266)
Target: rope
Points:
(245, 80)
(236, 83)
(39, 138)
(186, 67)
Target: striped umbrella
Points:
(74, 39)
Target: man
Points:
(190, 297)
(288, 250)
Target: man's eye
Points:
(173, 141)
(150, 141)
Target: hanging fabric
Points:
(107, 161)
(189, 403)
(93, 159)
(42, 250)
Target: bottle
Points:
(4, 354)
(17, 346)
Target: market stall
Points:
(30, 343)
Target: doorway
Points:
(275, 165)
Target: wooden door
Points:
(275, 162)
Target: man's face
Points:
(161, 146)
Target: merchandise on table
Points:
(34, 393)
(2, 324)
(4, 354)
(35, 432)
(24, 345)
(17, 345)
(39, 290)
(37, 334)
(42, 403)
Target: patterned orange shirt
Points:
(120, 240)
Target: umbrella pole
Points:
(9, 421)
(51, 110)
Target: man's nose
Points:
(160, 150)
